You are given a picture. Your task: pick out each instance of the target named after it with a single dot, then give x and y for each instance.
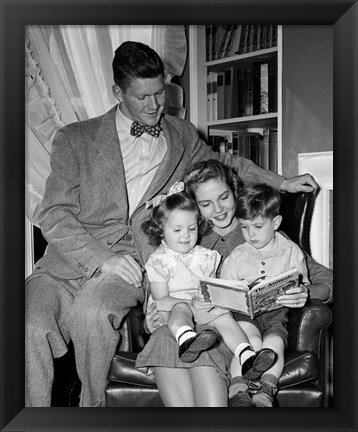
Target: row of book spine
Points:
(258, 145)
(227, 40)
(242, 91)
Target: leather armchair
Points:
(305, 380)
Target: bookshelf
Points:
(220, 75)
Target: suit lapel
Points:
(107, 144)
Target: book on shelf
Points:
(214, 42)
(240, 91)
(221, 95)
(214, 95)
(244, 141)
(223, 39)
(221, 140)
(249, 38)
(272, 85)
(256, 144)
(274, 35)
(268, 38)
(262, 40)
(234, 39)
(264, 88)
(228, 91)
(209, 97)
(208, 42)
(256, 38)
(243, 39)
(251, 300)
(227, 40)
(248, 91)
(264, 161)
(273, 148)
(255, 147)
(256, 88)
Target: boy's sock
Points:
(184, 333)
(265, 395)
(238, 383)
(269, 379)
(239, 396)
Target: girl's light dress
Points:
(182, 273)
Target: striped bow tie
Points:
(137, 129)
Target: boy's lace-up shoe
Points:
(241, 399)
(264, 397)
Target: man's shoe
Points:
(242, 399)
(190, 350)
(264, 396)
(257, 364)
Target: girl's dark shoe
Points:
(190, 350)
(257, 364)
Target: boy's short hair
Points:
(135, 60)
(258, 200)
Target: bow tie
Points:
(137, 129)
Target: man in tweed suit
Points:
(93, 207)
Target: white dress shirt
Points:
(141, 158)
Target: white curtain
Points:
(68, 77)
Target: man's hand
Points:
(126, 267)
(301, 183)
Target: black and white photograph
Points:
(132, 221)
(160, 159)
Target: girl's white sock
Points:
(184, 333)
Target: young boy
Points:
(265, 253)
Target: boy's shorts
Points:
(269, 322)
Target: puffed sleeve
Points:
(157, 269)
(212, 262)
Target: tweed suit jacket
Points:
(85, 206)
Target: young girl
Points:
(174, 271)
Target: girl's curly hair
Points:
(207, 170)
(154, 227)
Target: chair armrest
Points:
(306, 325)
(132, 332)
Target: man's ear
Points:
(277, 222)
(117, 92)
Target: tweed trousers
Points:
(87, 311)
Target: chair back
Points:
(297, 211)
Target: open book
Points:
(252, 300)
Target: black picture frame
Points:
(343, 16)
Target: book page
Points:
(225, 296)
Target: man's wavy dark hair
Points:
(135, 60)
